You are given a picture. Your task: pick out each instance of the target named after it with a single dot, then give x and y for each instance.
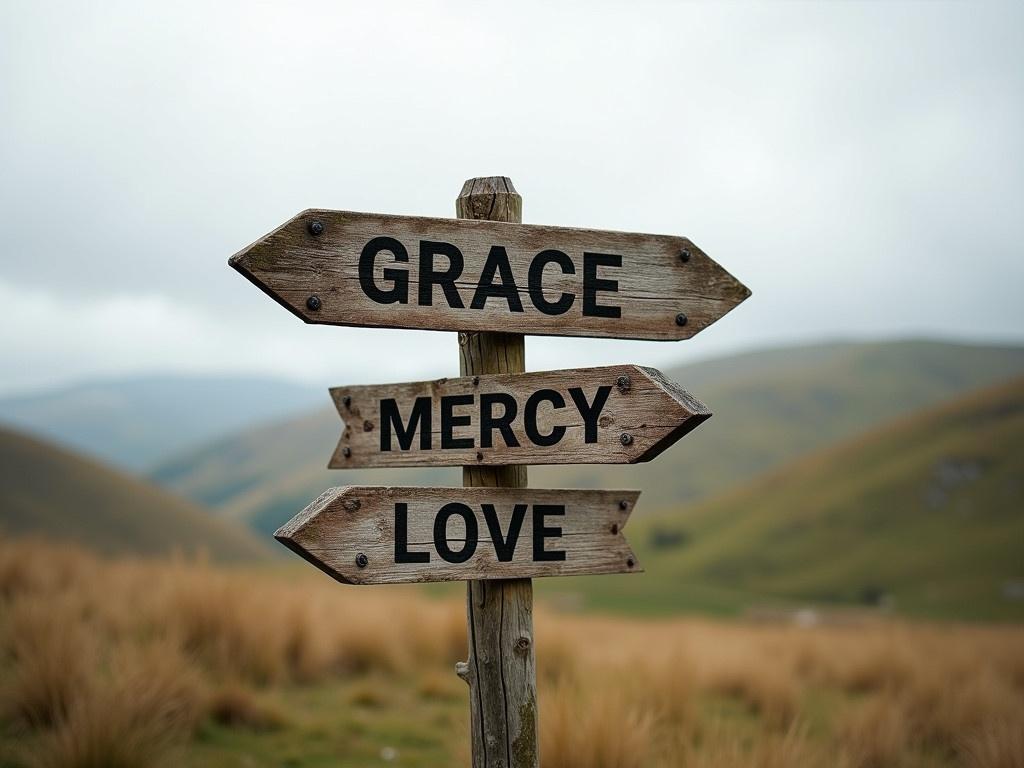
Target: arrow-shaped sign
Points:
(344, 268)
(611, 415)
(380, 535)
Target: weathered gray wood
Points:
(502, 667)
(661, 279)
(635, 413)
(345, 523)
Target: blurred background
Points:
(834, 562)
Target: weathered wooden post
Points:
(502, 669)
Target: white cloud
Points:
(857, 165)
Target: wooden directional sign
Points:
(612, 415)
(344, 268)
(381, 535)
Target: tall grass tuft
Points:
(592, 731)
(52, 656)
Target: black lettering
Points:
(542, 532)
(399, 291)
(536, 282)
(504, 546)
(592, 412)
(441, 533)
(449, 421)
(530, 417)
(402, 553)
(489, 422)
(429, 276)
(391, 419)
(592, 284)
(497, 261)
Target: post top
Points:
(488, 185)
(493, 198)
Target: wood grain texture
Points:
(635, 414)
(344, 523)
(502, 667)
(655, 285)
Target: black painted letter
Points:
(592, 284)
(504, 546)
(429, 277)
(441, 533)
(489, 422)
(391, 419)
(530, 417)
(536, 282)
(449, 421)
(399, 291)
(592, 412)
(541, 532)
(497, 261)
(402, 553)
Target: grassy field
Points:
(136, 663)
(50, 491)
(923, 516)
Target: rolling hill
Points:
(48, 491)
(770, 407)
(926, 513)
(135, 423)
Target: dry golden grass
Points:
(119, 663)
(237, 706)
(999, 744)
(592, 728)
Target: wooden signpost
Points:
(614, 415)
(493, 279)
(377, 535)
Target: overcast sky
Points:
(859, 166)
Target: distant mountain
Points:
(769, 407)
(138, 422)
(925, 514)
(774, 405)
(49, 491)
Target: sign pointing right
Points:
(620, 414)
(372, 269)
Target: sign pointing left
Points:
(384, 535)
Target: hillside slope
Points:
(138, 422)
(48, 491)
(769, 407)
(927, 513)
